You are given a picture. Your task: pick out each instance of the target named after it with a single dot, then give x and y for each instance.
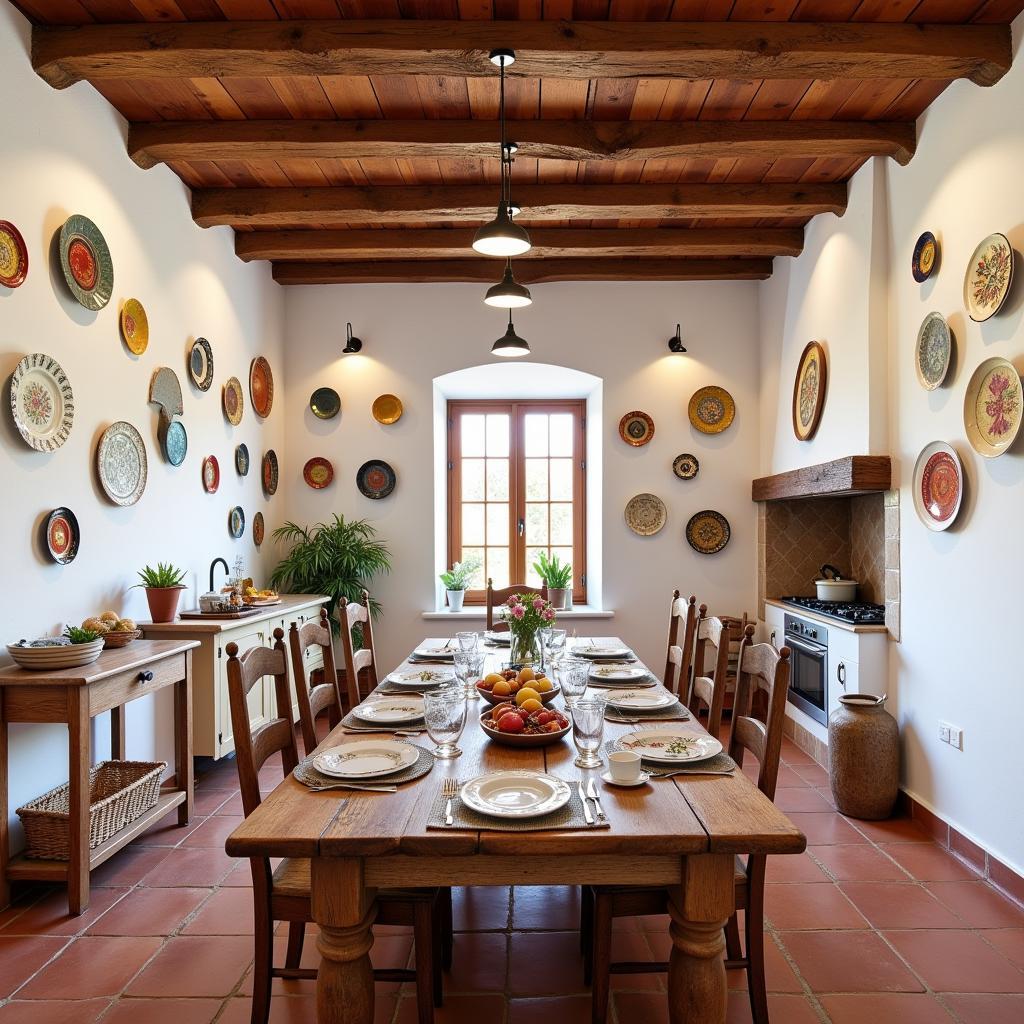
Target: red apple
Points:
(511, 723)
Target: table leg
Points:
(699, 909)
(183, 740)
(79, 763)
(5, 856)
(117, 733)
(345, 912)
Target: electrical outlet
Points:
(956, 737)
(943, 732)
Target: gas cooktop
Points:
(860, 613)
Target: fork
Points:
(450, 789)
(356, 786)
(688, 771)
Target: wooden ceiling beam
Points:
(486, 271)
(557, 49)
(291, 207)
(151, 143)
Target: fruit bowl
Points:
(547, 696)
(520, 739)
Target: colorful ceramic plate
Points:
(425, 677)
(62, 535)
(646, 700)
(318, 473)
(165, 391)
(375, 479)
(988, 278)
(365, 759)
(242, 459)
(515, 794)
(934, 347)
(387, 409)
(122, 462)
(261, 387)
(42, 402)
(938, 485)
(200, 364)
(809, 391)
(645, 514)
(232, 401)
(708, 532)
(685, 466)
(925, 258)
(13, 255)
(390, 710)
(612, 674)
(992, 407)
(636, 428)
(134, 326)
(174, 441)
(325, 403)
(669, 746)
(600, 652)
(236, 522)
(271, 472)
(258, 529)
(711, 409)
(85, 260)
(211, 474)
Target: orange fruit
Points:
(531, 704)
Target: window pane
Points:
(561, 479)
(472, 524)
(536, 434)
(472, 427)
(532, 579)
(537, 524)
(478, 582)
(497, 435)
(561, 433)
(497, 479)
(536, 479)
(561, 524)
(497, 567)
(497, 524)
(472, 479)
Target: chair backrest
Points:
(682, 615)
(761, 669)
(313, 699)
(710, 689)
(496, 598)
(254, 746)
(350, 614)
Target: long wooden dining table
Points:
(683, 833)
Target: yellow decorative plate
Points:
(233, 402)
(134, 326)
(711, 409)
(387, 409)
(992, 407)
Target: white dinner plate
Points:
(422, 677)
(365, 759)
(645, 701)
(516, 794)
(503, 638)
(617, 674)
(390, 710)
(437, 653)
(595, 651)
(669, 746)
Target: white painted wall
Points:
(63, 153)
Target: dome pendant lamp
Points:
(510, 344)
(508, 293)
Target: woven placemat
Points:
(569, 818)
(355, 724)
(309, 776)
(719, 763)
(632, 716)
(390, 689)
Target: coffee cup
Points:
(624, 765)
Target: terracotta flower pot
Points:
(163, 602)
(557, 597)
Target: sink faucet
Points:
(213, 565)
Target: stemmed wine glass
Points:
(444, 714)
(468, 667)
(588, 728)
(468, 640)
(572, 675)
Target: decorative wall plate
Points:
(925, 258)
(387, 409)
(938, 485)
(232, 401)
(271, 472)
(645, 514)
(85, 260)
(174, 441)
(122, 462)
(708, 532)
(236, 522)
(375, 479)
(325, 403)
(134, 326)
(934, 347)
(200, 364)
(242, 459)
(13, 255)
(636, 428)
(261, 387)
(211, 474)
(165, 391)
(42, 402)
(685, 466)
(62, 535)
(318, 473)
(988, 277)
(258, 529)
(809, 391)
(992, 407)
(711, 409)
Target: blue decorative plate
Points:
(925, 258)
(175, 442)
(375, 479)
(242, 460)
(236, 522)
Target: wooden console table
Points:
(74, 696)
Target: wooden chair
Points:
(363, 661)
(679, 662)
(496, 598)
(709, 690)
(314, 698)
(284, 894)
(763, 670)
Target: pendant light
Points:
(501, 237)
(508, 293)
(510, 344)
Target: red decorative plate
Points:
(13, 255)
(636, 428)
(261, 387)
(211, 474)
(258, 529)
(938, 485)
(318, 473)
(62, 535)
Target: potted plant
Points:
(456, 581)
(163, 586)
(526, 615)
(556, 576)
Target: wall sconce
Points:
(675, 343)
(352, 344)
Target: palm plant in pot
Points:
(556, 577)
(456, 581)
(163, 586)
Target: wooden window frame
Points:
(517, 410)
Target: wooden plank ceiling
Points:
(659, 139)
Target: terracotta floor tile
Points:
(468, 1009)
(67, 1011)
(635, 946)
(793, 755)
(21, 957)
(551, 907)
(800, 798)
(166, 831)
(783, 1009)
(149, 912)
(239, 875)
(49, 915)
(93, 965)
(545, 963)
(825, 828)
(567, 1010)
(479, 963)
(978, 904)
(805, 905)
(228, 911)
(899, 905)
(207, 801)
(890, 1008)
(129, 867)
(956, 961)
(233, 805)
(990, 1009)
(849, 961)
(928, 862)
(812, 774)
(163, 1011)
(892, 830)
(799, 867)
(213, 831)
(645, 1007)
(789, 779)
(779, 976)
(299, 1009)
(190, 868)
(1009, 942)
(481, 907)
(195, 965)
(858, 864)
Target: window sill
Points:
(479, 612)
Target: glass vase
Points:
(525, 650)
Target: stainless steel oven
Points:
(808, 674)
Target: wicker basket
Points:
(119, 792)
(123, 639)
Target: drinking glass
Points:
(588, 729)
(572, 675)
(468, 640)
(554, 644)
(468, 668)
(444, 714)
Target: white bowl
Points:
(836, 590)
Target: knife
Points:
(592, 793)
(348, 785)
(588, 817)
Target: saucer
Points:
(607, 778)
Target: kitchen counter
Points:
(825, 620)
(289, 603)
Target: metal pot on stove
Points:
(832, 586)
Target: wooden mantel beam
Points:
(151, 143)
(323, 206)
(558, 49)
(530, 272)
